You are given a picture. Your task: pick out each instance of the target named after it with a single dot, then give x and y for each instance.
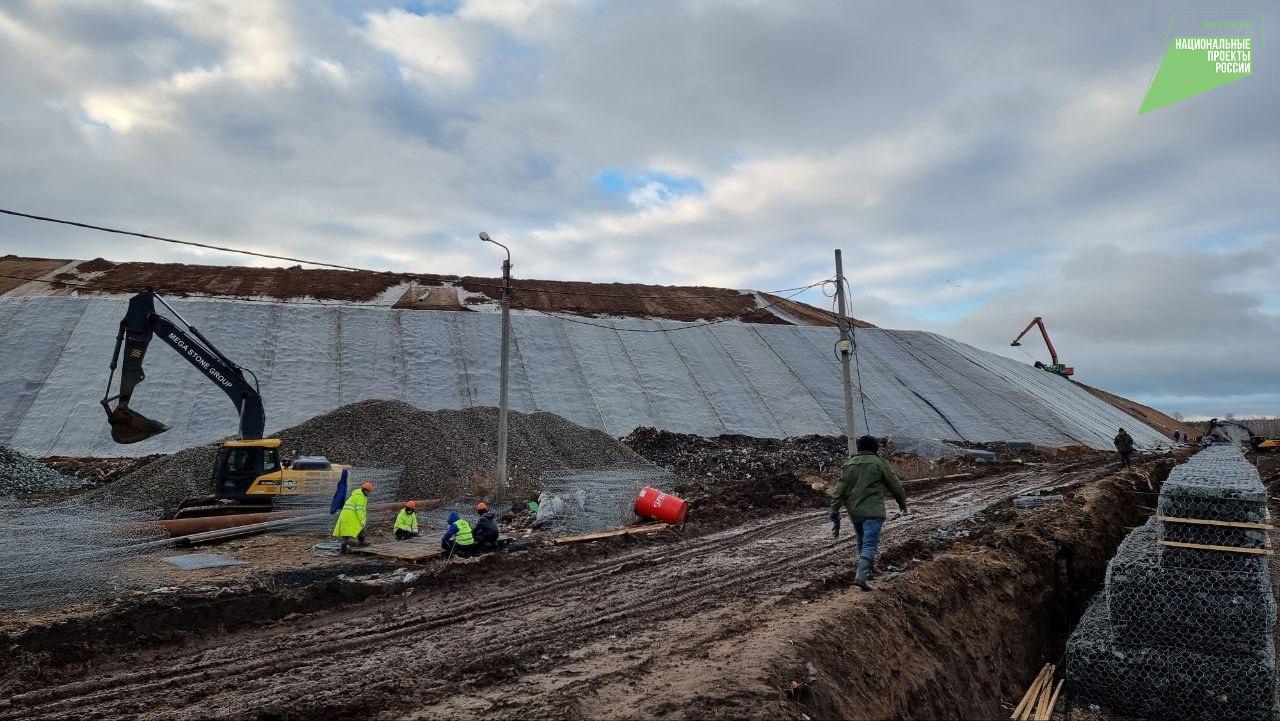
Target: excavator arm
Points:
(137, 328)
(1038, 321)
(1055, 366)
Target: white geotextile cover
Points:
(760, 380)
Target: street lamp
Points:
(502, 386)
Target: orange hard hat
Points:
(482, 506)
(367, 486)
(411, 505)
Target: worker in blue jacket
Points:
(457, 537)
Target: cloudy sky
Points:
(979, 163)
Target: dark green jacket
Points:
(863, 481)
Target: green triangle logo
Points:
(1193, 65)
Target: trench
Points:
(971, 626)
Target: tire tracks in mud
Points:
(570, 595)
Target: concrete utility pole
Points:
(502, 385)
(846, 348)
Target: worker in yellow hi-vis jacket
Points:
(351, 520)
(407, 522)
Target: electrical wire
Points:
(242, 251)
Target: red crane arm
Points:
(1038, 321)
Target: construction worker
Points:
(457, 538)
(486, 530)
(351, 520)
(407, 522)
(1124, 446)
(864, 479)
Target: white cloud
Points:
(986, 171)
(429, 48)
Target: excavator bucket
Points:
(130, 426)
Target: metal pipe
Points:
(179, 527)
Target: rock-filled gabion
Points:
(1179, 632)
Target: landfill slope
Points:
(443, 454)
(764, 380)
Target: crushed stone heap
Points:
(443, 453)
(20, 473)
(1185, 633)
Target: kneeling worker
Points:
(457, 539)
(864, 479)
(351, 520)
(407, 522)
(486, 530)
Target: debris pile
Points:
(20, 473)
(443, 454)
(1186, 630)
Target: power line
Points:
(242, 251)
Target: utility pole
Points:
(846, 348)
(502, 383)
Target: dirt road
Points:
(687, 628)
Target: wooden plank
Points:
(1207, 522)
(1048, 714)
(614, 533)
(1204, 547)
(1032, 691)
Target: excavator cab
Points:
(242, 464)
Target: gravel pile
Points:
(23, 474)
(444, 454)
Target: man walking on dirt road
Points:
(1124, 446)
(864, 479)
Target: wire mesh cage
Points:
(583, 501)
(56, 554)
(1186, 632)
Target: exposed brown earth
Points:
(755, 620)
(426, 291)
(11, 265)
(1152, 417)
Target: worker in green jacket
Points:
(351, 519)
(864, 479)
(406, 526)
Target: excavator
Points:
(248, 472)
(1257, 442)
(1055, 366)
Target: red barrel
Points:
(652, 503)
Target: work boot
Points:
(864, 570)
(343, 547)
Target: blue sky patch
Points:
(649, 188)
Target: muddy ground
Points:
(757, 619)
